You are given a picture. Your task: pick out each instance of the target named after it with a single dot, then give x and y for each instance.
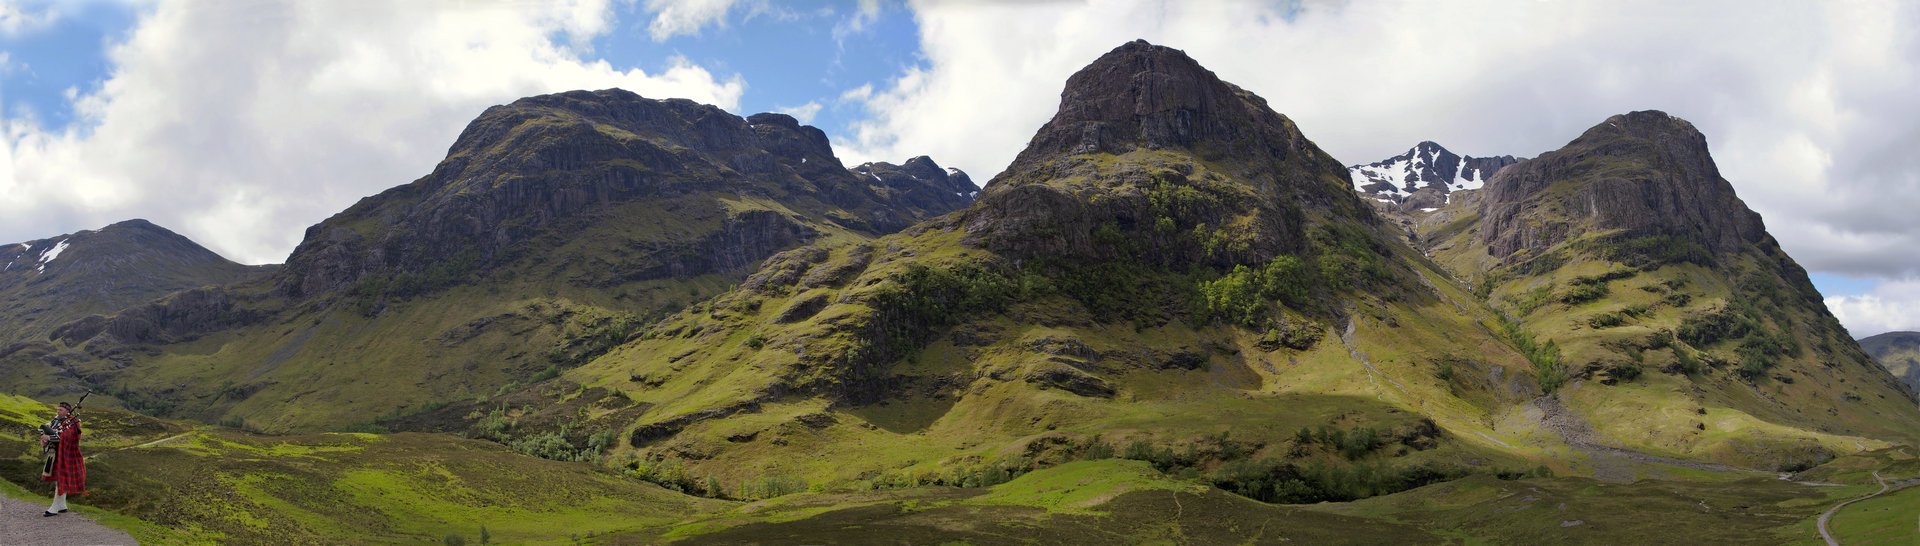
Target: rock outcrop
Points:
(920, 182)
(561, 163)
(1201, 154)
(1643, 173)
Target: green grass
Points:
(1081, 487)
(1893, 518)
(1486, 510)
(227, 487)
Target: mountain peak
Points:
(1647, 124)
(48, 282)
(1144, 120)
(1425, 166)
(1645, 173)
(1141, 95)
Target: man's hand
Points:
(43, 440)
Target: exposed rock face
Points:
(1177, 126)
(1645, 173)
(1426, 166)
(48, 282)
(559, 162)
(1425, 198)
(179, 317)
(920, 181)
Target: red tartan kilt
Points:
(69, 468)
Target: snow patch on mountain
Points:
(1426, 165)
(47, 256)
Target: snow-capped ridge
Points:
(1426, 165)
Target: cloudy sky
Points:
(239, 123)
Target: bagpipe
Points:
(52, 429)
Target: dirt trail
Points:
(1837, 507)
(97, 455)
(22, 522)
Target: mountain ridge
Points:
(1163, 247)
(1424, 175)
(556, 226)
(48, 282)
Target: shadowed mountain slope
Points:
(48, 282)
(1899, 352)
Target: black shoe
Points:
(63, 510)
(49, 514)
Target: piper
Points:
(60, 438)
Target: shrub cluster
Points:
(1548, 367)
(1655, 251)
(1246, 295)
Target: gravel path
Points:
(1837, 507)
(22, 522)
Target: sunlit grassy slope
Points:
(1728, 358)
(225, 486)
(168, 484)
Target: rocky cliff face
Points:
(1196, 153)
(1643, 173)
(1426, 166)
(553, 162)
(920, 181)
(50, 281)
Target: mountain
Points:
(1167, 262)
(554, 229)
(1422, 177)
(1169, 258)
(48, 282)
(1641, 284)
(1170, 319)
(1899, 352)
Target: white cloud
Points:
(239, 125)
(868, 12)
(1806, 106)
(857, 94)
(674, 17)
(14, 20)
(1891, 306)
(804, 112)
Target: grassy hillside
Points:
(1728, 361)
(173, 484)
(1117, 500)
(1677, 345)
(1899, 352)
